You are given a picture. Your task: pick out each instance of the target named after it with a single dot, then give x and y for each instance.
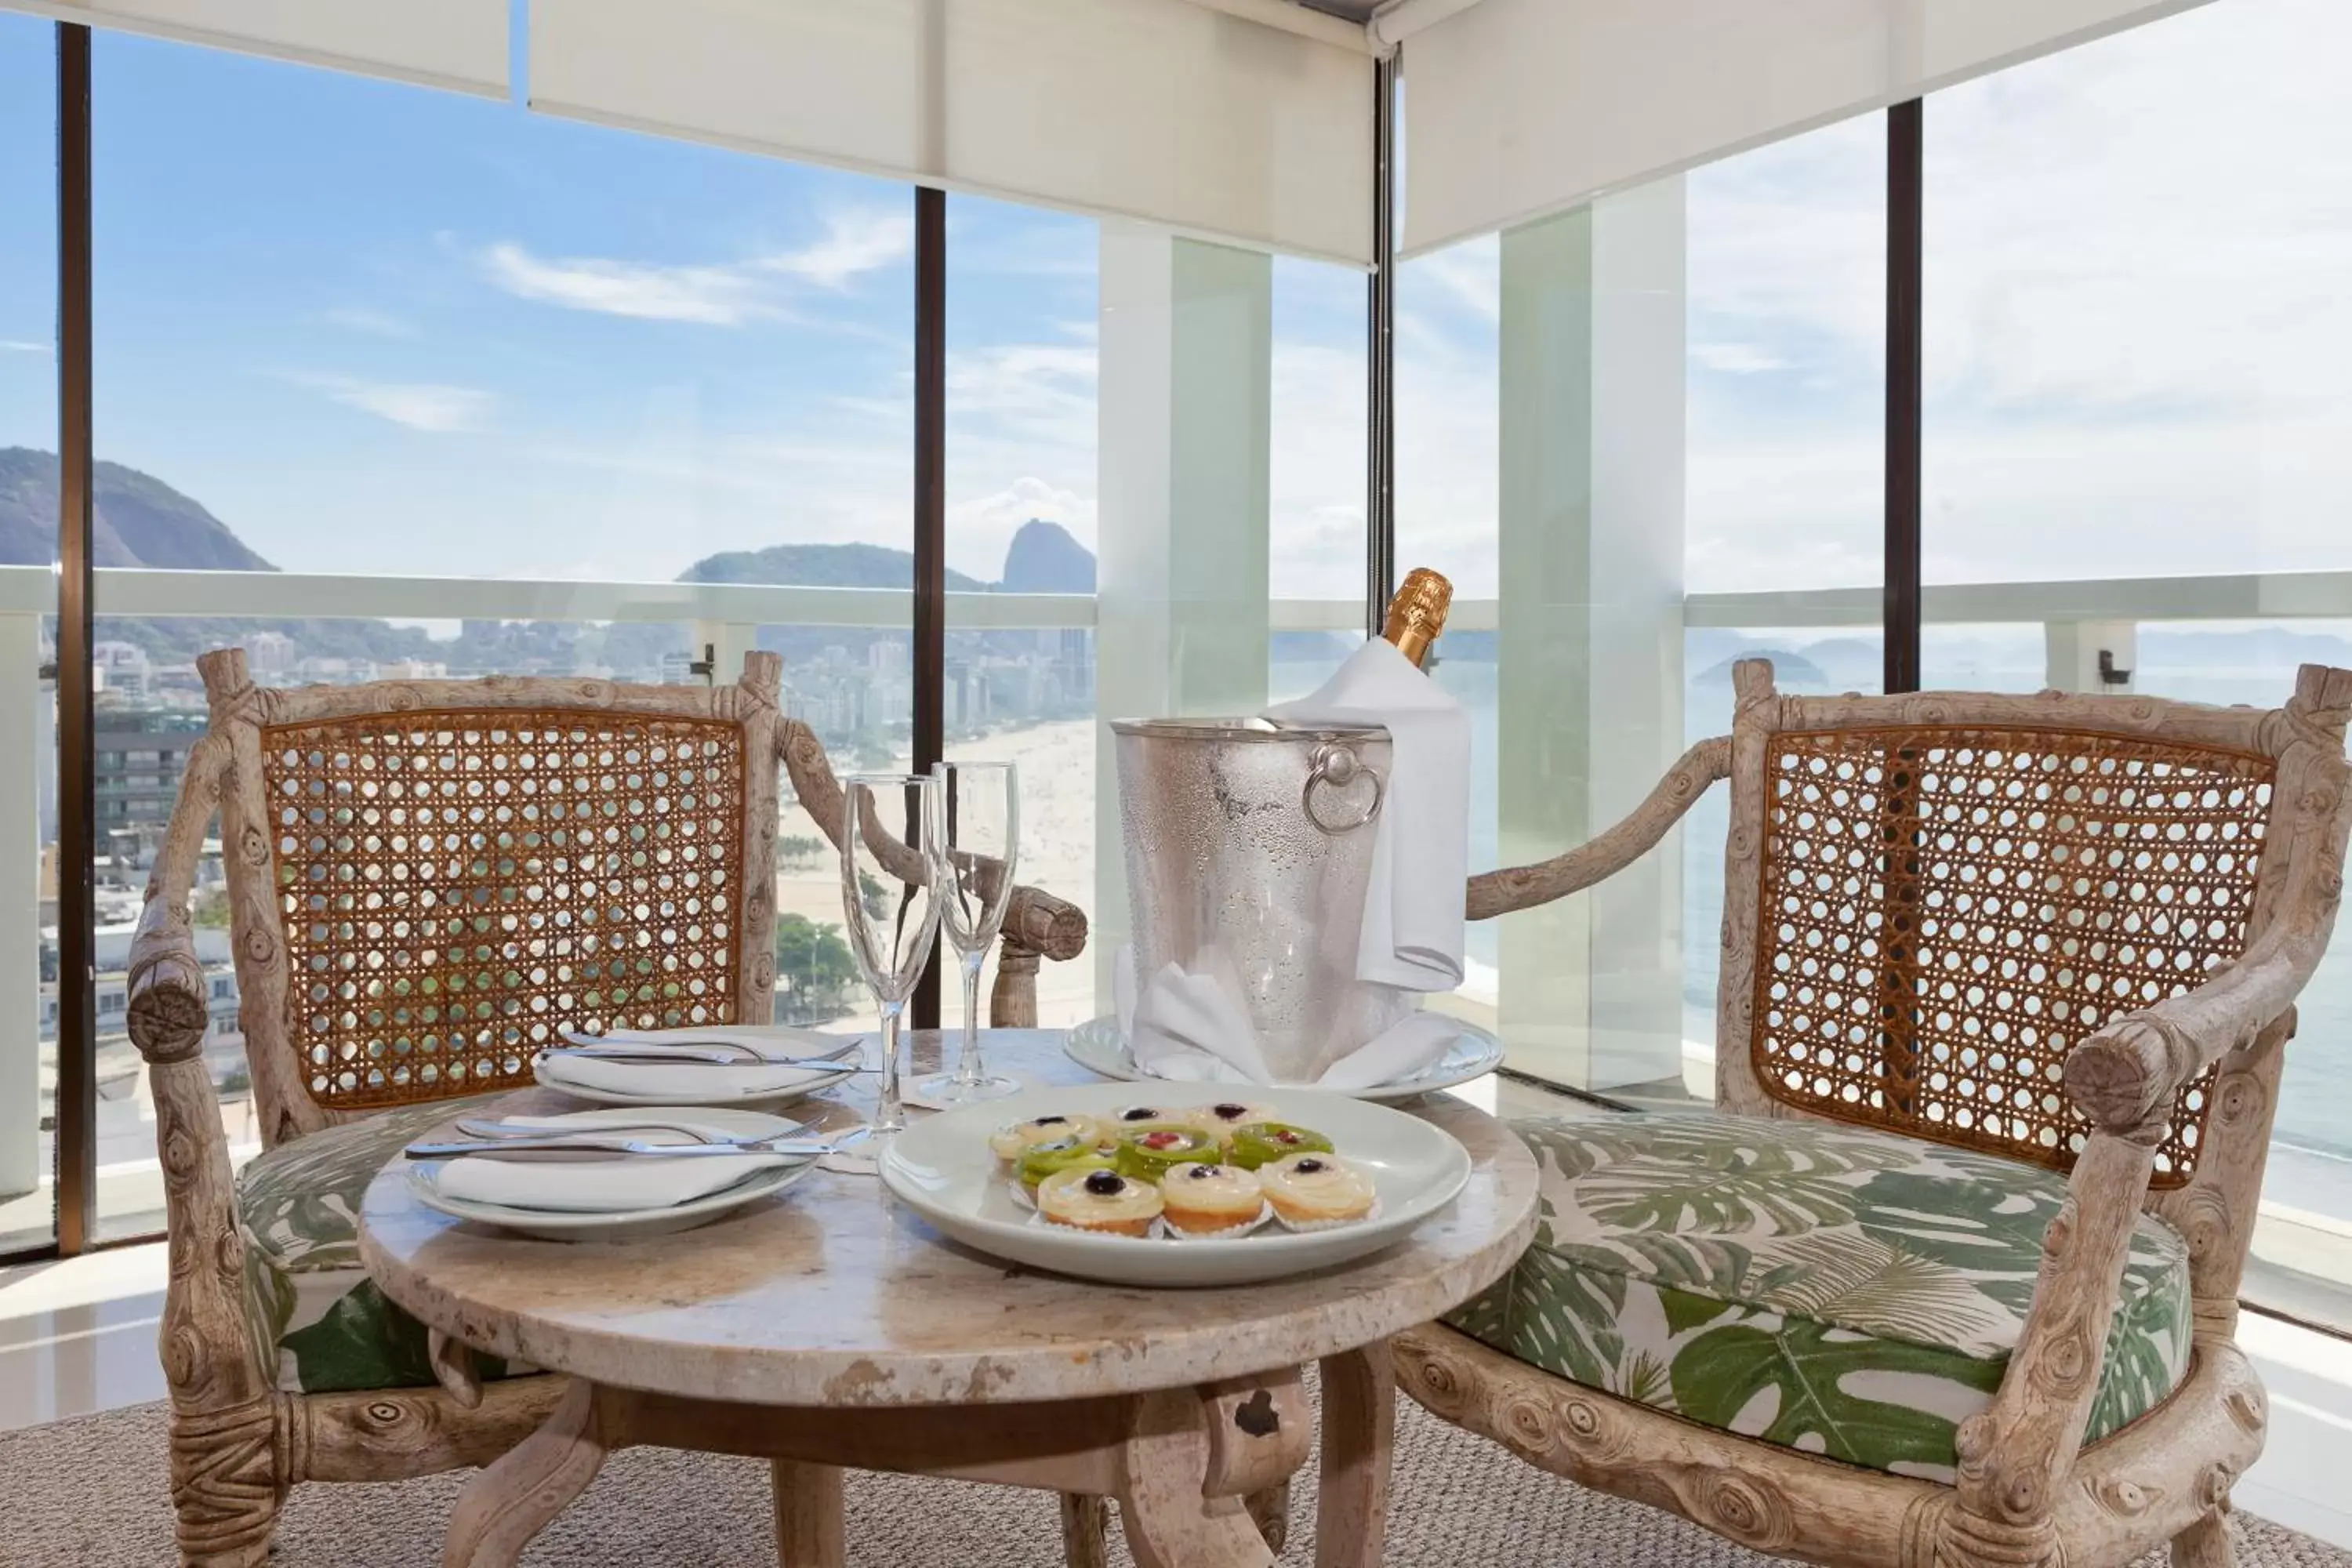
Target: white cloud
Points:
(1471, 272)
(855, 242)
(1736, 359)
(719, 294)
(375, 322)
(714, 296)
(438, 409)
(19, 346)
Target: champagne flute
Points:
(975, 835)
(887, 898)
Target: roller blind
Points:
(458, 44)
(1180, 114)
(1520, 108)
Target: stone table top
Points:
(834, 1294)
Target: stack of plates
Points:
(635, 1183)
(690, 1082)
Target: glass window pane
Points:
(380, 338)
(1022, 312)
(2137, 361)
(28, 550)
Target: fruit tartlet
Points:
(1008, 1143)
(1041, 1162)
(1308, 1190)
(1257, 1144)
(1100, 1200)
(1228, 1116)
(1147, 1153)
(1208, 1199)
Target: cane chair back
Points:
(1930, 899)
(432, 880)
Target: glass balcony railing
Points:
(1023, 686)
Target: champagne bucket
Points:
(1249, 850)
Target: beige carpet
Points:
(90, 1494)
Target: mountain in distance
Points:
(1044, 559)
(818, 566)
(137, 519)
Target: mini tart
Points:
(1259, 1144)
(1008, 1143)
(1316, 1189)
(1203, 1199)
(1040, 1161)
(1100, 1200)
(1226, 1117)
(1147, 1153)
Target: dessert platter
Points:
(1100, 1046)
(1097, 1183)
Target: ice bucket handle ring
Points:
(1333, 766)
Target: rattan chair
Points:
(1950, 1276)
(427, 878)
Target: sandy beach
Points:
(1055, 763)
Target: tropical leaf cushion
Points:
(315, 1315)
(1824, 1288)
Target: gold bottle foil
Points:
(1417, 614)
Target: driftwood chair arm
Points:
(217, 1372)
(2129, 1074)
(1603, 855)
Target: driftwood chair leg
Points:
(1270, 1511)
(1086, 1527)
(226, 1489)
(2205, 1544)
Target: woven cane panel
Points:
(1945, 913)
(457, 888)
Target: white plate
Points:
(1099, 1046)
(941, 1168)
(551, 1224)
(715, 1085)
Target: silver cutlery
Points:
(697, 1056)
(633, 1148)
(478, 1127)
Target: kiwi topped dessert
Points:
(1147, 1153)
(1259, 1144)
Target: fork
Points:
(503, 1131)
(781, 1143)
(700, 1055)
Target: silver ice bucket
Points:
(1249, 849)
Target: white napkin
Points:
(1421, 854)
(690, 1082)
(1191, 1028)
(600, 1186)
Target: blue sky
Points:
(379, 328)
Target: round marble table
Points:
(829, 1328)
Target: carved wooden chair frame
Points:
(2030, 1494)
(238, 1443)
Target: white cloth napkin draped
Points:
(693, 1080)
(590, 1185)
(1421, 853)
(1192, 1028)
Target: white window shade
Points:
(1180, 114)
(456, 44)
(1520, 108)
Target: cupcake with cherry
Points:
(1218, 1171)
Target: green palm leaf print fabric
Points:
(1828, 1289)
(317, 1321)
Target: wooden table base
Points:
(1178, 1462)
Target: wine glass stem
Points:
(968, 1062)
(890, 1116)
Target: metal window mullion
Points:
(1905, 255)
(77, 1122)
(931, 519)
(1380, 445)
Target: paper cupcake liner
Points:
(1231, 1232)
(1158, 1232)
(1303, 1226)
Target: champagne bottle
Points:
(1417, 614)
